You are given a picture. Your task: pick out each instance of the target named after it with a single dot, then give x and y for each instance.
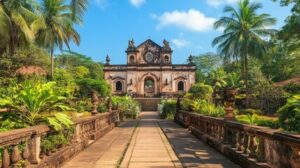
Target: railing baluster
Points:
(245, 144)
(15, 156)
(25, 154)
(240, 141)
(5, 158)
(252, 146)
(261, 156)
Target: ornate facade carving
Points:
(149, 72)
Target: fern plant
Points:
(35, 103)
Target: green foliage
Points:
(65, 82)
(87, 85)
(127, 105)
(81, 71)
(168, 109)
(254, 119)
(200, 91)
(289, 114)
(217, 78)
(267, 98)
(292, 88)
(233, 80)
(35, 103)
(207, 108)
(53, 142)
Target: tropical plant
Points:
(59, 30)
(233, 80)
(127, 105)
(19, 22)
(245, 33)
(36, 103)
(200, 91)
(217, 78)
(168, 109)
(289, 114)
(207, 108)
(88, 85)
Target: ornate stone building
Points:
(149, 72)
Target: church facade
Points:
(149, 72)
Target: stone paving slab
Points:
(107, 151)
(149, 147)
(191, 151)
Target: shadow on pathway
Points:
(191, 151)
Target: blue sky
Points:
(187, 24)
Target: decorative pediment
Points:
(117, 77)
(181, 77)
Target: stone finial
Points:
(107, 60)
(190, 60)
(131, 43)
(166, 44)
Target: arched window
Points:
(167, 60)
(119, 86)
(180, 86)
(131, 59)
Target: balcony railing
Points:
(248, 146)
(22, 147)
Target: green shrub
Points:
(250, 111)
(254, 119)
(207, 108)
(292, 88)
(127, 105)
(289, 114)
(201, 91)
(35, 103)
(168, 109)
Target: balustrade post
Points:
(15, 156)
(95, 101)
(25, 155)
(240, 141)
(109, 105)
(229, 98)
(34, 149)
(245, 144)
(252, 146)
(5, 158)
(261, 157)
(77, 131)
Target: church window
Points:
(131, 59)
(119, 86)
(167, 59)
(180, 86)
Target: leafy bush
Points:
(254, 119)
(36, 103)
(292, 88)
(168, 109)
(207, 108)
(250, 111)
(87, 85)
(127, 105)
(289, 114)
(53, 142)
(201, 91)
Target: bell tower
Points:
(131, 53)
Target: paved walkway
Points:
(107, 151)
(191, 151)
(149, 146)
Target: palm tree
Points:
(245, 33)
(59, 30)
(78, 7)
(18, 22)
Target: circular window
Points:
(149, 57)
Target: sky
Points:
(186, 24)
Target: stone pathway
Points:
(149, 146)
(105, 152)
(191, 151)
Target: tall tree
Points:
(18, 22)
(245, 33)
(59, 29)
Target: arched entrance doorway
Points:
(149, 87)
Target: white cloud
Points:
(216, 3)
(180, 42)
(102, 3)
(192, 20)
(137, 3)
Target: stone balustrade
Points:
(248, 146)
(22, 147)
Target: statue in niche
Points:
(131, 43)
(166, 44)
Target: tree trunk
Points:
(52, 64)
(246, 75)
